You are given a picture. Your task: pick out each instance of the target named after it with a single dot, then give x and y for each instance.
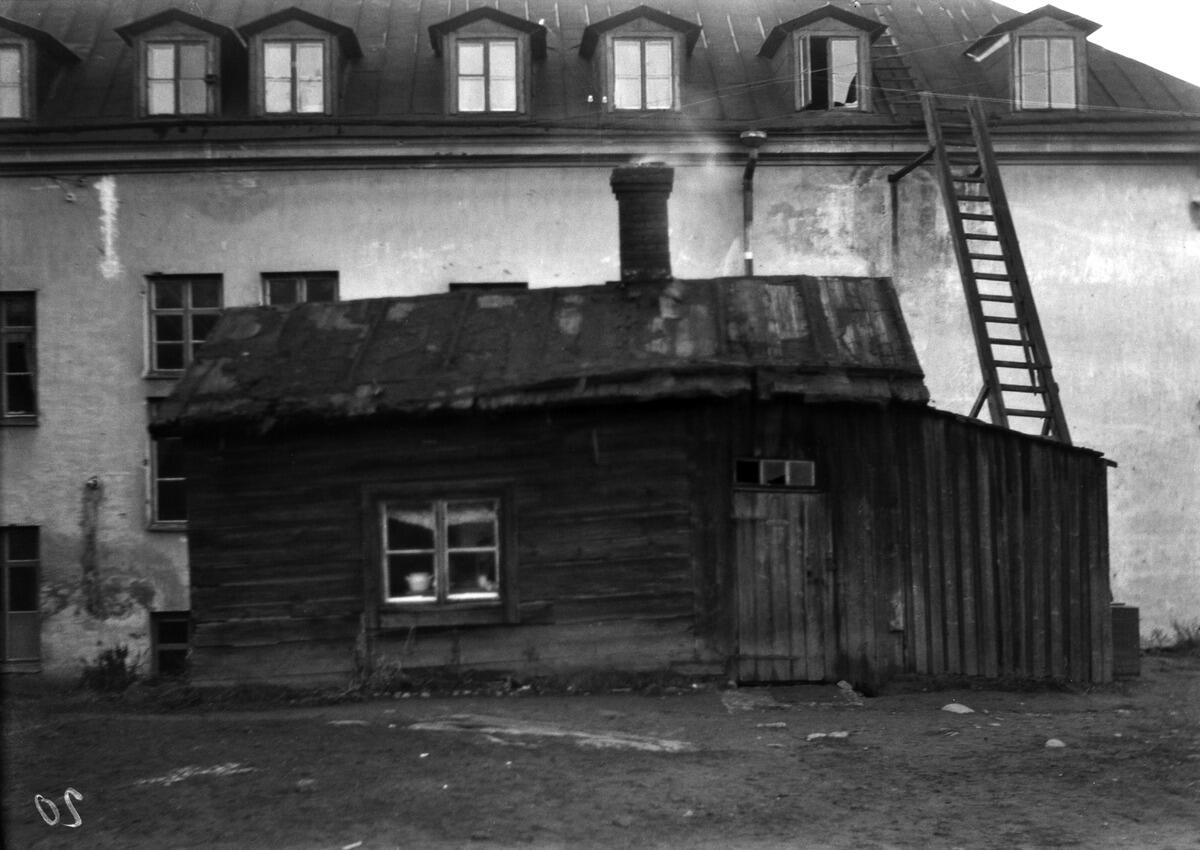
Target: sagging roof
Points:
(823, 338)
(396, 86)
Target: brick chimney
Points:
(642, 192)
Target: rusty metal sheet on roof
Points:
(829, 337)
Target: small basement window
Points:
(285, 289)
(763, 472)
(171, 632)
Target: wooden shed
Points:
(734, 475)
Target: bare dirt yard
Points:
(690, 765)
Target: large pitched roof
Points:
(820, 337)
(397, 83)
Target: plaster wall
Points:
(1111, 252)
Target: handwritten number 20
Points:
(52, 819)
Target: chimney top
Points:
(642, 192)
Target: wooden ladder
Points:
(1018, 383)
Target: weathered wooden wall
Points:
(959, 548)
(605, 528)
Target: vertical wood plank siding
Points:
(958, 548)
(990, 546)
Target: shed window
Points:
(12, 82)
(828, 72)
(441, 551)
(20, 639)
(487, 75)
(1047, 73)
(171, 632)
(177, 75)
(760, 472)
(18, 396)
(168, 483)
(294, 76)
(281, 290)
(643, 73)
(182, 312)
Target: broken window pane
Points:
(843, 71)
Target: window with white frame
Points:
(486, 74)
(20, 637)
(294, 76)
(1047, 73)
(177, 78)
(643, 73)
(12, 81)
(183, 309)
(284, 289)
(18, 378)
(828, 73)
(440, 551)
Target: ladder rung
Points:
(972, 199)
(990, 276)
(987, 237)
(954, 143)
(991, 257)
(1002, 320)
(1019, 388)
(977, 216)
(1014, 342)
(1007, 299)
(1018, 364)
(1017, 411)
(966, 179)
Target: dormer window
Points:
(12, 81)
(29, 61)
(488, 55)
(294, 76)
(830, 58)
(180, 58)
(641, 58)
(295, 59)
(1044, 52)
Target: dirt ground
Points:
(701, 767)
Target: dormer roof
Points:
(591, 35)
(778, 35)
(536, 32)
(133, 29)
(53, 48)
(347, 40)
(1000, 30)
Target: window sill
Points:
(176, 526)
(19, 421)
(411, 616)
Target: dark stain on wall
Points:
(89, 521)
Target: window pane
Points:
(503, 95)
(168, 295)
(160, 62)
(310, 97)
(774, 472)
(283, 291)
(16, 357)
(409, 529)
(658, 93)
(10, 65)
(22, 543)
(160, 98)
(411, 575)
(18, 394)
(10, 102)
(171, 501)
(310, 61)
(193, 61)
(168, 356)
(502, 59)
(470, 94)
(470, 58)
(279, 96)
(168, 328)
(172, 631)
(277, 60)
(321, 289)
(18, 311)
(658, 58)
(843, 71)
(627, 94)
(169, 457)
(202, 326)
(470, 524)
(473, 572)
(193, 97)
(627, 58)
(22, 589)
(206, 293)
(1062, 73)
(1034, 81)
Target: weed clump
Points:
(1184, 641)
(112, 671)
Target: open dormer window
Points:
(29, 61)
(180, 58)
(488, 55)
(830, 65)
(641, 59)
(295, 57)
(1044, 52)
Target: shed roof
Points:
(396, 85)
(824, 338)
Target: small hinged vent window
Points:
(760, 472)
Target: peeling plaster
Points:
(106, 188)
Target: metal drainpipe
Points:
(753, 139)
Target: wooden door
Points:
(785, 587)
